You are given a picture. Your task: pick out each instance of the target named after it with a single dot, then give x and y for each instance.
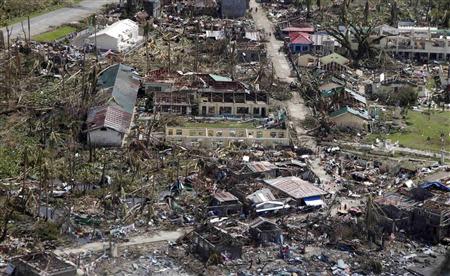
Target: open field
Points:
(423, 131)
(56, 34)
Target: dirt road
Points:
(45, 22)
(297, 110)
(137, 240)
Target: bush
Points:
(46, 230)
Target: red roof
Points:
(300, 38)
(112, 117)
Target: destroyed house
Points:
(423, 212)
(225, 204)
(211, 241)
(263, 169)
(348, 117)
(342, 96)
(413, 43)
(107, 124)
(300, 190)
(264, 202)
(334, 63)
(223, 96)
(204, 94)
(264, 231)
(43, 263)
(249, 52)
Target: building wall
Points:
(210, 137)
(105, 138)
(299, 48)
(106, 42)
(233, 8)
(216, 108)
(350, 120)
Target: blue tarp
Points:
(435, 184)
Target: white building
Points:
(119, 37)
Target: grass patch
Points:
(56, 34)
(423, 131)
(220, 124)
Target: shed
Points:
(120, 36)
(264, 231)
(295, 187)
(224, 203)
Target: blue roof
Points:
(435, 184)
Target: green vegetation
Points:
(424, 131)
(56, 34)
(221, 124)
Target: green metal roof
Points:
(124, 87)
(363, 114)
(334, 57)
(220, 78)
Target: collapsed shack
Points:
(42, 263)
(265, 231)
(215, 244)
(423, 212)
(225, 204)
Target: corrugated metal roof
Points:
(112, 117)
(334, 57)
(220, 78)
(224, 196)
(253, 36)
(124, 86)
(360, 113)
(300, 38)
(261, 166)
(295, 187)
(262, 195)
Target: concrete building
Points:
(108, 124)
(119, 37)
(36, 264)
(204, 94)
(233, 8)
(212, 137)
(307, 60)
(152, 7)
